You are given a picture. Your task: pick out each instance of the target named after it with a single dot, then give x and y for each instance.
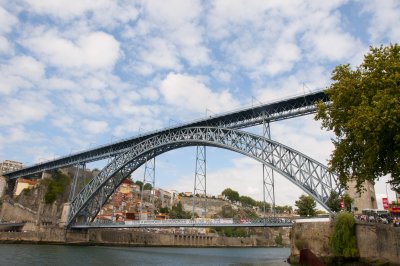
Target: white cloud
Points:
(160, 53)
(385, 17)
(168, 33)
(332, 45)
(5, 46)
(28, 108)
(94, 127)
(96, 50)
(149, 93)
(189, 93)
(27, 67)
(7, 20)
(103, 12)
(19, 73)
(173, 13)
(15, 135)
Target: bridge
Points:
(199, 223)
(221, 131)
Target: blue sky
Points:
(76, 74)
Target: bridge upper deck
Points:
(245, 117)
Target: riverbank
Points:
(377, 243)
(131, 237)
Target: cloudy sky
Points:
(77, 74)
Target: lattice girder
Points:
(308, 174)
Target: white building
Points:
(8, 165)
(3, 186)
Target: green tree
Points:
(247, 201)
(306, 206)
(334, 201)
(56, 187)
(164, 210)
(177, 212)
(284, 209)
(231, 194)
(343, 241)
(347, 202)
(365, 115)
(279, 239)
(260, 205)
(147, 186)
(139, 183)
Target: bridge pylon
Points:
(78, 181)
(268, 175)
(200, 178)
(149, 177)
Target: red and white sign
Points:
(385, 203)
(342, 204)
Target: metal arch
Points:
(308, 174)
(246, 117)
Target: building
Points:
(3, 186)
(22, 184)
(366, 199)
(164, 196)
(8, 165)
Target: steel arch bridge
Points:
(311, 176)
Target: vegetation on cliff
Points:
(56, 186)
(343, 242)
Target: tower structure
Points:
(366, 199)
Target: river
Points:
(59, 255)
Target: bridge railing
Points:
(226, 222)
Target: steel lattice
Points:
(246, 117)
(308, 174)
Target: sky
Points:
(78, 74)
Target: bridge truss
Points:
(246, 117)
(308, 174)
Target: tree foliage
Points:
(333, 201)
(365, 117)
(343, 241)
(147, 186)
(177, 212)
(347, 202)
(56, 187)
(306, 206)
(231, 194)
(232, 232)
(284, 209)
(139, 183)
(247, 201)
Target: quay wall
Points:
(132, 237)
(376, 242)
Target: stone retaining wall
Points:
(376, 242)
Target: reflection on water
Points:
(83, 255)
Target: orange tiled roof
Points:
(28, 181)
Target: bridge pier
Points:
(268, 174)
(65, 214)
(149, 177)
(200, 178)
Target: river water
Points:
(58, 255)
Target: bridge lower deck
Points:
(186, 223)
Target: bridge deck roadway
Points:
(169, 225)
(246, 117)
